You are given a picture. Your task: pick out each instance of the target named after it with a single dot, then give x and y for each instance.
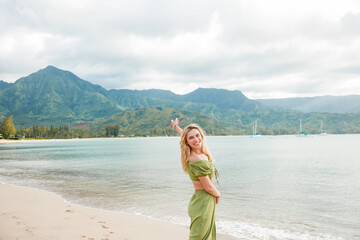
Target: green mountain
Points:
(220, 104)
(156, 122)
(223, 99)
(130, 99)
(274, 123)
(54, 95)
(158, 93)
(4, 85)
(220, 98)
(328, 104)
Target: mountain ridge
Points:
(52, 96)
(4, 85)
(327, 103)
(222, 98)
(51, 92)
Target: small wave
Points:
(258, 232)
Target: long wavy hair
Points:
(186, 149)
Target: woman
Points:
(196, 160)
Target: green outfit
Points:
(202, 204)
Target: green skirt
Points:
(202, 213)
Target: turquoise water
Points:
(272, 187)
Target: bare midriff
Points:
(198, 185)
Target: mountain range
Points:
(329, 104)
(52, 96)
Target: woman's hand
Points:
(175, 125)
(217, 199)
(174, 122)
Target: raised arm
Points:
(175, 125)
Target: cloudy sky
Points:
(266, 49)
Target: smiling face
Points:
(194, 139)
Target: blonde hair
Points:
(186, 149)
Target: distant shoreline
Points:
(82, 139)
(72, 139)
(5, 141)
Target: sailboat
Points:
(301, 133)
(254, 130)
(321, 129)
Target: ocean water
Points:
(273, 187)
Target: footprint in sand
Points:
(68, 210)
(103, 224)
(18, 222)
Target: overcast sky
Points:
(266, 49)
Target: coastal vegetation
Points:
(61, 132)
(43, 132)
(112, 130)
(7, 128)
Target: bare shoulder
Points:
(192, 158)
(197, 157)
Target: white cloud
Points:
(274, 48)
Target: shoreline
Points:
(74, 139)
(29, 213)
(118, 138)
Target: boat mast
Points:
(255, 127)
(321, 126)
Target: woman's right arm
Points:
(175, 125)
(210, 187)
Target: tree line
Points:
(9, 131)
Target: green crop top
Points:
(202, 168)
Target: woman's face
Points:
(194, 139)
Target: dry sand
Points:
(30, 214)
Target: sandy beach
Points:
(30, 214)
